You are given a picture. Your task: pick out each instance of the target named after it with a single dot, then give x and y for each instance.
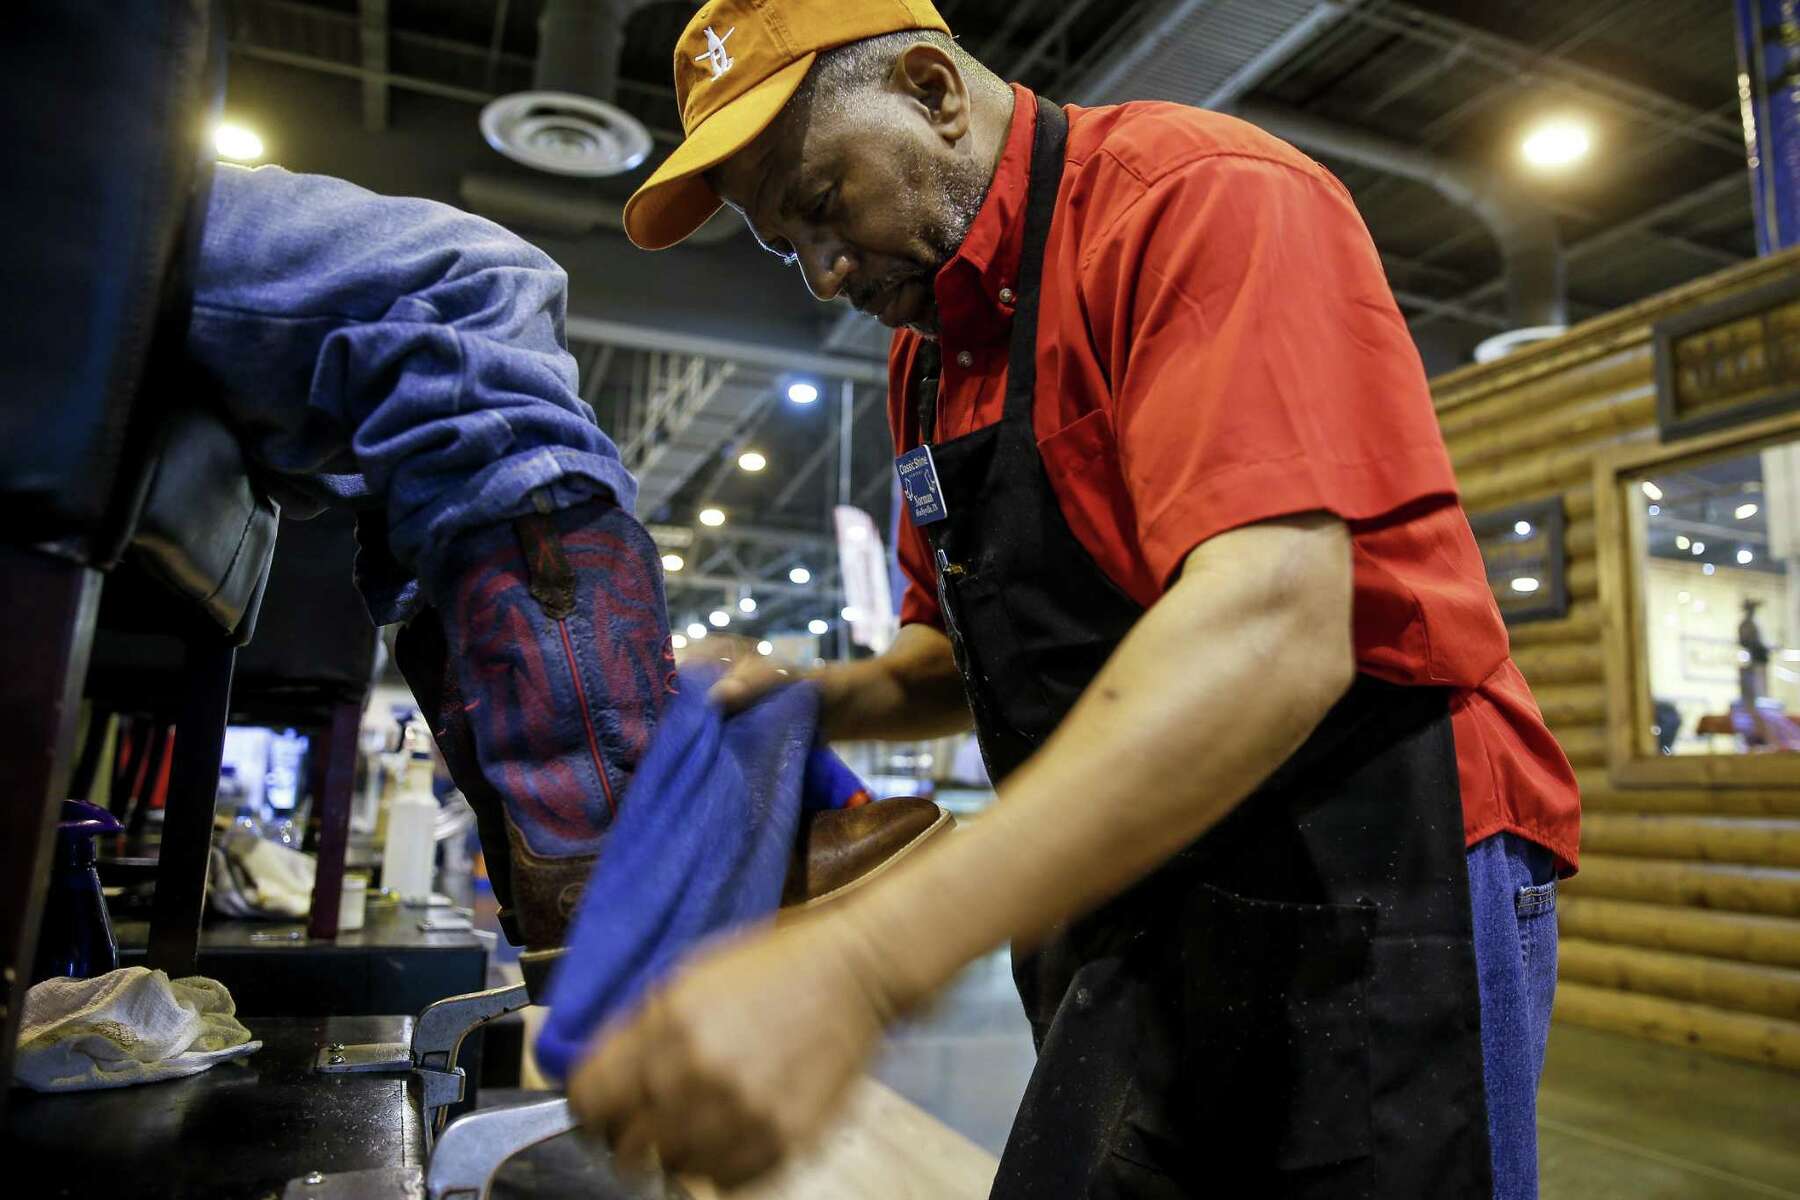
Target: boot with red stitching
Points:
(542, 672)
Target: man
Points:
(1278, 820)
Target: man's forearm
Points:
(911, 691)
(1213, 689)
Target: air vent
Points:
(565, 134)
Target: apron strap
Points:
(1047, 158)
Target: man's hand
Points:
(910, 692)
(742, 1056)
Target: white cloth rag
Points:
(255, 877)
(133, 1025)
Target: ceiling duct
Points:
(567, 124)
(1526, 232)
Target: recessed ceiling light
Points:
(1746, 511)
(236, 142)
(1556, 144)
(696, 631)
(1525, 584)
(1746, 557)
(1522, 528)
(765, 648)
(817, 627)
(747, 604)
(1651, 490)
(673, 563)
(801, 392)
(712, 517)
(799, 575)
(720, 618)
(751, 461)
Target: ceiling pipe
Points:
(566, 209)
(1536, 295)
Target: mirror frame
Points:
(1622, 616)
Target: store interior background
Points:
(751, 415)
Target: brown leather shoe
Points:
(839, 850)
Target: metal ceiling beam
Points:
(1643, 223)
(1526, 231)
(757, 354)
(374, 37)
(729, 583)
(798, 540)
(1511, 58)
(823, 450)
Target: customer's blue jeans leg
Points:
(1512, 888)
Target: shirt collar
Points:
(969, 287)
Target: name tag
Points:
(919, 484)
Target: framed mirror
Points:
(1700, 584)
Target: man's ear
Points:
(930, 78)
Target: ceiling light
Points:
(1651, 490)
(712, 517)
(1681, 541)
(1522, 528)
(1525, 584)
(1746, 511)
(1707, 569)
(673, 563)
(1698, 547)
(1656, 510)
(720, 618)
(696, 631)
(799, 575)
(236, 142)
(1746, 557)
(678, 640)
(765, 648)
(1556, 144)
(850, 614)
(802, 392)
(817, 627)
(747, 604)
(750, 460)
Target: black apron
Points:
(1288, 1008)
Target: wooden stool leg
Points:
(337, 779)
(47, 611)
(187, 821)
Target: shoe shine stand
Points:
(462, 1156)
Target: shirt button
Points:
(1006, 296)
(964, 359)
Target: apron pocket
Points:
(1278, 1029)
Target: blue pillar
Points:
(1769, 94)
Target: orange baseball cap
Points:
(737, 65)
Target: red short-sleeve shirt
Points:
(1218, 346)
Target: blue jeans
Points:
(397, 356)
(1512, 888)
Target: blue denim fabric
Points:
(1512, 887)
(392, 354)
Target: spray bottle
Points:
(410, 858)
(77, 937)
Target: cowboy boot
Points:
(542, 672)
(542, 677)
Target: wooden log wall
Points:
(1684, 923)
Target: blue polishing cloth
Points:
(701, 845)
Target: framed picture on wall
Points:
(1699, 556)
(1729, 363)
(1522, 546)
